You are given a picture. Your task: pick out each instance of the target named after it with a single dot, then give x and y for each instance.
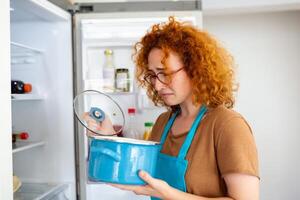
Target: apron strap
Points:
(189, 138)
(167, 128)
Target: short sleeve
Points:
(236, 149)
(159, 126)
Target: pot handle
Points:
(108, 152)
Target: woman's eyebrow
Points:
(150, 71)
(158, 68)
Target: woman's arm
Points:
(240, 187)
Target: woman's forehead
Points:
(155, 59)
(171, 63)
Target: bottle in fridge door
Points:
(148, 129)
(19, 87)
(131, 131)
(108, 71)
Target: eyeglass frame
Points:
(156, 76)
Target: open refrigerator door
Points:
(116, 33)
(42, 96)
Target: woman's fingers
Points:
(146, 177)
(105, 127)
(137, 189)
(86, 116)
(159, 186)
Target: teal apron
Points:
(170, 168)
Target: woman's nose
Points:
(158, 85)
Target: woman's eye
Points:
(150, 75)
(162, 74)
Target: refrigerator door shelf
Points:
(41, 191)
(23, 54)
(22, 146)
(27, 97)
(19, 49)
(101, 86)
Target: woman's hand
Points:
(240, 186)
(105, 127)
(155, 187)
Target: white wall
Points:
(5, 106)
(246, 6)
(266, 48)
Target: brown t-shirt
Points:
(222, 144)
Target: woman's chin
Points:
(170, 102)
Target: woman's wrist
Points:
(172, 194)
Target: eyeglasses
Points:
(163, 77)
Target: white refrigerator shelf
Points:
(39, 191)
(26, 97)
(23, 54)
(24, 145)
(120, 93)
(23, 50)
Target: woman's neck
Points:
(188, 109)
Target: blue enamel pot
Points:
(118, 159)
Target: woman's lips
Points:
(166, 94)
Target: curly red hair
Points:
(207, 63)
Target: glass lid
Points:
(99, 113)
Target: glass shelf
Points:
(99, 85)
(120, 93)
(26, 97)
(23, 54)
(24, 145)
(39, 191)
(18, 49)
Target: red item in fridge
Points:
(131, 110)
(117, 128)
(27, 87)
(20, 136)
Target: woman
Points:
(208, 149)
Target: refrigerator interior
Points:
(118, 32)
(42, 55)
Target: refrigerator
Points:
(60, 51)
